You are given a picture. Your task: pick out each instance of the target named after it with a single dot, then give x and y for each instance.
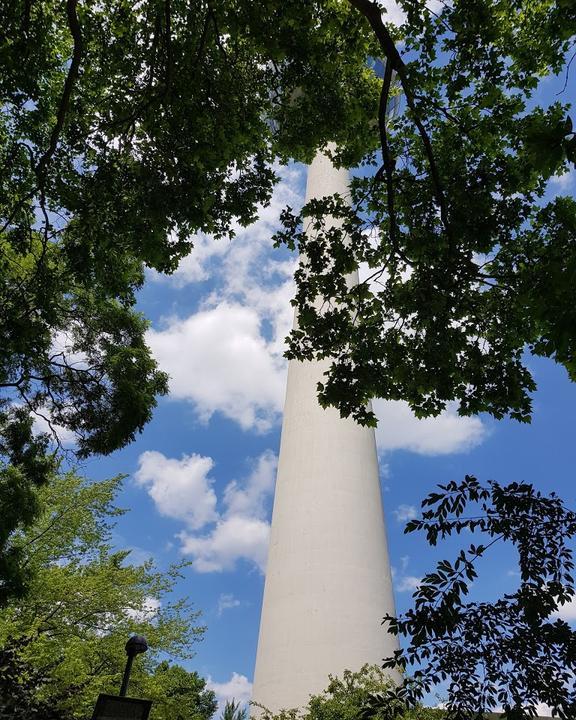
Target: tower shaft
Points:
(328, 581)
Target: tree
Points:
(124, 129)
(84, 600)
(234, 711)
(178, 694)
(19, 684)
(351, 697)
(31, 464)
(469, 264)
(512, 653)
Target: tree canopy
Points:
(351, 696)
(470, 265)
(83, 601)
(124, 129)
(512, 653)
(234, 711)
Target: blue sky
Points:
(201, 475)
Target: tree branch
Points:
(387, 159)
(71, 78)
(56, 519)
(217, 33)
(567, 74)
(203, 36)
(373, 13)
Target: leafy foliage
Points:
(124, 129)
(234, 711)
(511, 653)
(19, 684)
(469, 264)
(84, 600)
(30, 466)
(352, 696)
(177, 694)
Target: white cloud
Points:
(180, 489)
(63, 345)
(399, 429)
(396, 16)
(147, 612)
(232, 262)
(42, 423)
(407, 583)
(543, 710)
(195, 267)
(249, 500)
(242, 532)
(238, 688)
(228, 356)
(567, 611)
(403, 513)
(227, 601)
(403, 582)
(234, 538)
(220, 361)
(394, 13)
(137, 556)
(564, 182)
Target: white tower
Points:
(328, 580)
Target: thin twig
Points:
(217, 32)
(474, 556)
(567, 73)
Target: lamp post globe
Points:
(136, 644)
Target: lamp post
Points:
(136, 644)
(120, 707)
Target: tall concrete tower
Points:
(328, 581)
